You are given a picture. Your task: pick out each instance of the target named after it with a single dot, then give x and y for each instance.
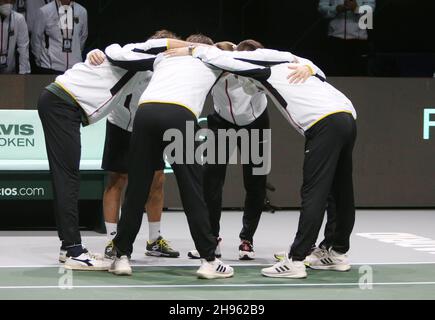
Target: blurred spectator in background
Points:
(59, 35)
(14, 38)
(348, 44)
(30, 8)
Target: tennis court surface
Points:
(393, 257)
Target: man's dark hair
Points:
(249, 45)
(200, 38)
(225, 45)
(164, 34)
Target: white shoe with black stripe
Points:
(214, 270)
(86, 262)
(286, 269)
(63, 255)
(329, 260)
(316, 255)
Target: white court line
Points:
(390, 263)
(260, 285)
(232, 264)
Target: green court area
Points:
(166, 283)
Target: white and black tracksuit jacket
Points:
(304, 104)
(98, 89)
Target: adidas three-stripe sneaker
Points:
(214, 270)
(329, 260)
(286, 269)
(316, 255)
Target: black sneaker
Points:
(246, 251)
(161, 248)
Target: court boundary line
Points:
(191, 265)
(194, 286)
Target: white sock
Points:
(154, 231)
(111, 230)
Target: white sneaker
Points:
(246, 251)
(332, 260)
(87, 263)
(194, 254)
(121, 266)
(286, 269)
(280, 256)
(316, 255)
(214, 270)
(63, 255)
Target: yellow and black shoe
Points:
(109, 252)
(161, 248)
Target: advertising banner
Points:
(22, 143)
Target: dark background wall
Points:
(402, 41)
(393, 164)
